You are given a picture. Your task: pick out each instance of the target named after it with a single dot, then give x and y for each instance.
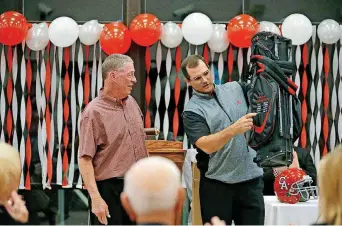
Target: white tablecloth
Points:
(302, 213)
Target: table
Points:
(302, 213)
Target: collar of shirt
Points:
(113, 100)
(206, 95)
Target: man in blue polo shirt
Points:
(215, 119)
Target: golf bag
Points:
(273, 96)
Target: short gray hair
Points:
(114, 62)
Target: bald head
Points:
(152, 184)
(10, 170)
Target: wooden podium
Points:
(172, 150)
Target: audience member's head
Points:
(152, 191)
(330, 187)
(10, 170)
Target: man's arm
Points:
(99, 206)
(86, 153)
(87, 171)
(195, 126)
(198, 131)
(214, 142)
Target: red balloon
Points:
(145, 29)
(115, 38)
(241, 30)
(13, 28)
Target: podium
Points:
(172, 150)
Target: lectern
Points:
(172, 150)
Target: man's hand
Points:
(294, 165)
(100, 209)
(16, 208)
(215, 221)
(295, 162)
(99, 206)
(244, 123)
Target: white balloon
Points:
(171, 35)
(298, 28)
(90, 32)
(37, 37)
(218, 41)
(63, 31)
(329, 31)
(269, 26)
(197, 28)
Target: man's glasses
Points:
(129, 74)
(199, 78)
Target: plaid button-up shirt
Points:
(112, 133)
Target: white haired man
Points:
(153, 193)
(112, 139)
(12, 207)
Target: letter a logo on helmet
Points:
(282, 183)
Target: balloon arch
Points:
(146, 30)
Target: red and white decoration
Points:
(48, 78)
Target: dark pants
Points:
(241, 202)
(110, 191)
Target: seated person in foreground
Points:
(301, 159)
(152, 192)
(330, 188)
(12, 207)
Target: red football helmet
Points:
(294, 185)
